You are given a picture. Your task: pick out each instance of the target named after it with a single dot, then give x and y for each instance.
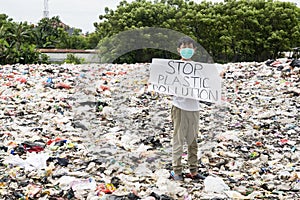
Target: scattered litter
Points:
(95, 132)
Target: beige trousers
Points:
(186, 127)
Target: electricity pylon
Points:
(46, 9)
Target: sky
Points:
(75, 13)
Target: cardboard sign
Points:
(190, 79)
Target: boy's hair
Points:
(186, 40)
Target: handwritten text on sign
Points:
(185, 79)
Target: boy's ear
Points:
(178, 50)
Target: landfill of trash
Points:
(94, 131)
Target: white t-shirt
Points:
(186, 103)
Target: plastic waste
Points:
(83, 184)
(143, 170)
(215, 184)
(32, 162)
(68, 123)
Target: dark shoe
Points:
(178, 178)
(195, 177)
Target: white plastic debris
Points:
(215, 184)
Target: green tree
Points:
(234, 30)
(92, 40)
(53, 33)
(15, 42)
(252, 29)
(73, 39)
(19, 33)
(136, 15)
(48, 31)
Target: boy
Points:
(185, 118)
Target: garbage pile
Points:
(95, 132)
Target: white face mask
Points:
(187, 53)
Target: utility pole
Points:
(46, 9)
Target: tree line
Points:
(19, 41)
(234, 30)
(230, 31)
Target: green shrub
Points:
(71, 58)
(44, 58)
